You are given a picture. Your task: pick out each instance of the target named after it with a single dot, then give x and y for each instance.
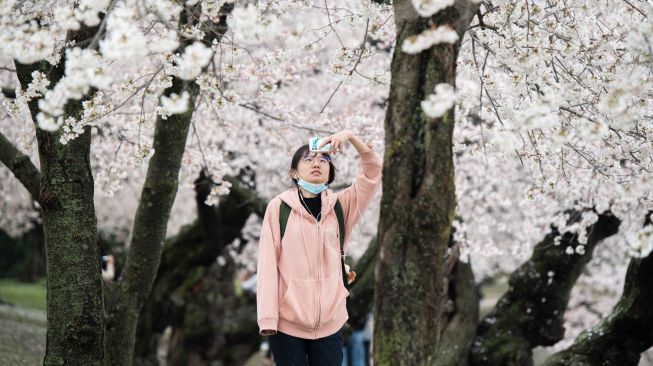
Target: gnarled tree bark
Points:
(126, 297)
(361, 292)
(622, 336)
(531, 313)
(418, 202)
(75, 332)
(194, 294)
(461, 308)
(462, 322)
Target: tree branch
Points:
(531, 313)
(186, 261)
(160, 187)
(22, 167)
(249, 196)
(621, 337)
(361, 292)
(157, 197)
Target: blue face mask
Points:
(312, 187)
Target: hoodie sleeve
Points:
(269, 249)
(357, 197)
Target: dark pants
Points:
(293, 351)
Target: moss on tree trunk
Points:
(361, 292)
(129, 295)
(75, 332)
(621, 337)
(192, 292)
(462, 322)
(531, 313)
(418, 202)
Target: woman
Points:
(301, 296)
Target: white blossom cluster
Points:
(426, 8)
(550, 117)
(435, 105)
(428, 38)
(195, 57)
(83, 70)
(555, 122)
(250, 27)
(35, 89)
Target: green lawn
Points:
(25, 295)
(22, 324)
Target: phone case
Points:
(314, 142)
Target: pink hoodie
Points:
(299, 288)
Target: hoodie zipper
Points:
(319, 288)
(319, 249)
(319, 291)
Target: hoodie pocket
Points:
(333, 296)
(299, 304)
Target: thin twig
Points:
(331, 96)
(360, 55)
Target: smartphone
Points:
(314, 142)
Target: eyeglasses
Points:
(323, 160)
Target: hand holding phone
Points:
(333, 143)
(314, 143)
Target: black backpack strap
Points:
(284, 213)
(341, 228)
(341, 224)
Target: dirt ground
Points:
(22, 339)
(22, 336)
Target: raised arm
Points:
(357, 197)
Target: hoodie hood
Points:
(291, 197)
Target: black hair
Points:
(303, 151)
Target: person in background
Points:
(108, 271)
(367, 337)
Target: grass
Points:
(491, 293)
(23, 323)
(24, 295)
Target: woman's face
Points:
(313, 168)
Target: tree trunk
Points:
(462, 320)
(75, 332)
(418, 202)
(197, 340)
(74, 289)
(192, 292)
(531, 313)
(361, 292)
(149, 231)
(34, 265)
(207, 294)
(621, 337)
(131, 291)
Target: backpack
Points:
(284, 213)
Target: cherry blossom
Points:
(552, 105)
(437, 104)
(428, 38)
